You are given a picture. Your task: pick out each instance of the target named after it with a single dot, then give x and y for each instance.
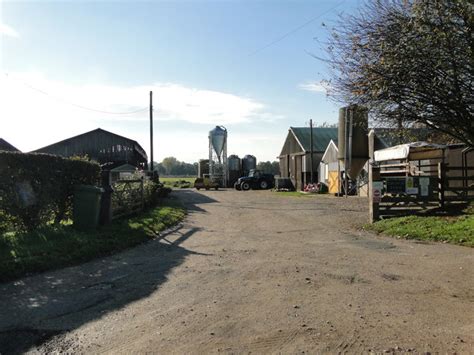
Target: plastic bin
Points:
(86, 206)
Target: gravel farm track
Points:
(252, 272)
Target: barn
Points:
(105, 147)
(295, 156)
(4, 145)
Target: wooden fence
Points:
(128, 197)
(394, 191)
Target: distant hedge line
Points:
(36, 189)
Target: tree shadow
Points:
(35, 309)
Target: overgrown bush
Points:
(36, 189)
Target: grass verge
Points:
(59, 246)
(456, 230)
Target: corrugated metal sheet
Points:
(99, 145)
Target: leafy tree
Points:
(269, 167)
(172, 166)
(169, 164)
(411, 62)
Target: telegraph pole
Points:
(151, 131)
(311, 149)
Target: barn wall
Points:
(291, 145)
(284, 167)
(307, 162)
(99, 145)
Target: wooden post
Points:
(311, 149)
(151, 131)
(142, 193)
(105, 216)
(441, 184)
(374, 175)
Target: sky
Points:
(67, 67)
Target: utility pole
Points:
(311, 149)
(151, 131)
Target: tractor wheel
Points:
(245, 186)
(263, 185)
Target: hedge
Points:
(37, 189)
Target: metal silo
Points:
(353, 146)
(218, 155)
(249, 162)
(235, 169)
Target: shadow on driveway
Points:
(36, 308)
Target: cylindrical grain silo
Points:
(249, 162)
(353, 144)
(218, 137)
(235, 169)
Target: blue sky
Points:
(205, 61)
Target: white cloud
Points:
(322, 87)
(8, 31)
(31, 119)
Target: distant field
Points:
(178, 182)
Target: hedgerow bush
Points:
(36, 189)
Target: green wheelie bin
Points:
(86, 207)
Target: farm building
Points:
(102, 146)
(4, 145)
(331, 169)
(295, 156)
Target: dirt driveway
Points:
(252, 272)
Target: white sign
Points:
(424, 181)
(412, 191)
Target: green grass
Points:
(175, 182)
(59, 246)
(456, 230)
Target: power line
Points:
(77, 105)
(295, 29)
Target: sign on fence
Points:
(396, 185)
(377, 187)
(424, 186)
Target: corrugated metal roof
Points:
(321, 137)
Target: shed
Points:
(102, 146)
(124, 172)
(295, 156)
(4, 145)
(329, 168)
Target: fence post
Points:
(441, 184)
(374, 175)
(142, 195)
(106, 200)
